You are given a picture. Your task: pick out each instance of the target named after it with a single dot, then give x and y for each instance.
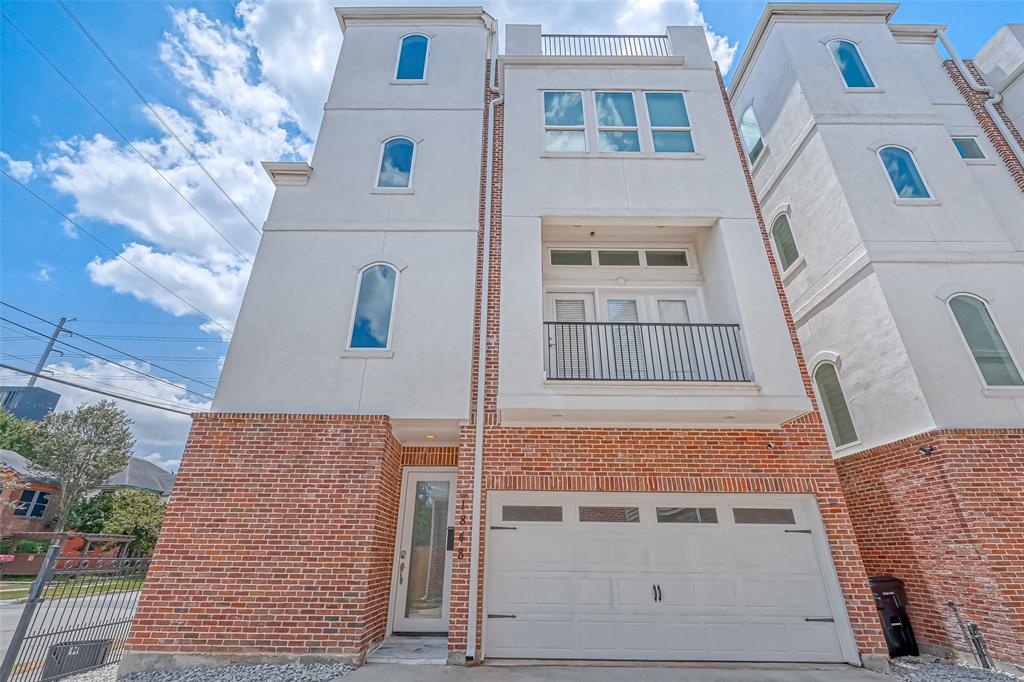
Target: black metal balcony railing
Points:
(636, 351)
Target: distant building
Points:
(27, 498)
(141, 474)
(28, 402)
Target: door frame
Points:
(403, 496)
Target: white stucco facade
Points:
(869, 291)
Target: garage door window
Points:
(687, 515)
(610, 514)
(779, 516)
(530, 513)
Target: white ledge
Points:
(288, 173)
(588, 60)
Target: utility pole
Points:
(49, 349)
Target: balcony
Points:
(566, 45)
(637, 351)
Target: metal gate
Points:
(77, 617)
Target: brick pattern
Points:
(976, 102)
(430, 457)
(949, 523)
(11, 487)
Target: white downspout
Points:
(485, 288)
(995, 94)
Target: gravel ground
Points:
(232, 673)
(933, 669)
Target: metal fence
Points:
(635, 351)
(77, 617)
(567, 45)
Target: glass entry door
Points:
(424, 562)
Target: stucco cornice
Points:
(916, 33)
(420, 15)
(589, 61)
(288, 173)
(806, 11)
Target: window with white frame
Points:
(564, 127)
(620, 257)
(904, 177)
(995, 364)
(670, 124)
(374, 308)
(397, 156)
(32, 503)
(750, 131)
(412, 58)
(833, 404)
(850, 64)
(968, 148)
(617, 129)
(785, 245)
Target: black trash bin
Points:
(891, 600)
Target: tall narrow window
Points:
(903, 174)
(833, 402)
(616, 122)
(750, 131)
(785, 246)
(563, 122)
(670, 125)
(990, 353)
(412, 58)
(851, 66)
(375, 302)
(396, 159)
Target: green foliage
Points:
(89, 515)
(138, 513)
(24, 546)
(17, 434)
(81, 448)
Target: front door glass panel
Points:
(426, 591)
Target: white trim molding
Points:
(288, 173)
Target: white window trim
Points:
(983, 161)
(386, 351)
(618, 129)
(860, 55)
(828, 358)
(642, 249)
(754, 163)
(651, 128)
(580, 128)
(786, 273)
(929, 200)
(408, 189)
(989, 390)
(691, 293)
(398, 60)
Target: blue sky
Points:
(239, 83)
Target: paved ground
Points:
(93, 609)
(640, 673)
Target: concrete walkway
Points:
(645, 672)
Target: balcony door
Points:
(570, 341)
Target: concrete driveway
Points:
(738, 672)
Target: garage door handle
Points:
(820, 620)
(501, 615)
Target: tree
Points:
(89, 515)
(17, 434)
(82, 448)
(138, 513)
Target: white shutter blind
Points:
(570, 310)
(571, 339)
(627, 340)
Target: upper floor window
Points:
(968, 148)
(616, 122)
(670, 125)
(833, 403)
(903, 174)
(785, 245)
(564, 130)
(984, 341)
(750, 131)
(375, 302)
(396, 159)
(851, 66)
(32, 503)
(412, 58)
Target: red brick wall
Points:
(950, 524)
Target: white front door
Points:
(424, 562)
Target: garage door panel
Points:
(636, 637)
(673, 550)
(594, 591)
(716, 593)
(556, 591)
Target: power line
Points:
(100, 343)
(155, 113)
(112, 250)
(126, 140)
(96, 390)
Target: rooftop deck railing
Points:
(567, 45)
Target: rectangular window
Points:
(618, 258)
(571, 257)
(778, 516)
(530, 513)
(32, 503)
(610, 514)
(670, 259)
(564, 129)
(670, 124)
(687, 515)
(616, 122)
(968, 148)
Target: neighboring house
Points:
(28, 402)
(27, 500)
(141, 474)
(896, 208)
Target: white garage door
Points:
(661, 577)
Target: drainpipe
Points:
(995, 94)
(485, 288)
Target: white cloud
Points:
(42, 274)
(200, 348)
(21, 170)
(162, 461)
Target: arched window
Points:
(396, 159)
(984, 341)
(412, 58)
(785, 245)
(851, 66)
(833, 403)
(903, 173)
(375, 303)
(750, 131)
